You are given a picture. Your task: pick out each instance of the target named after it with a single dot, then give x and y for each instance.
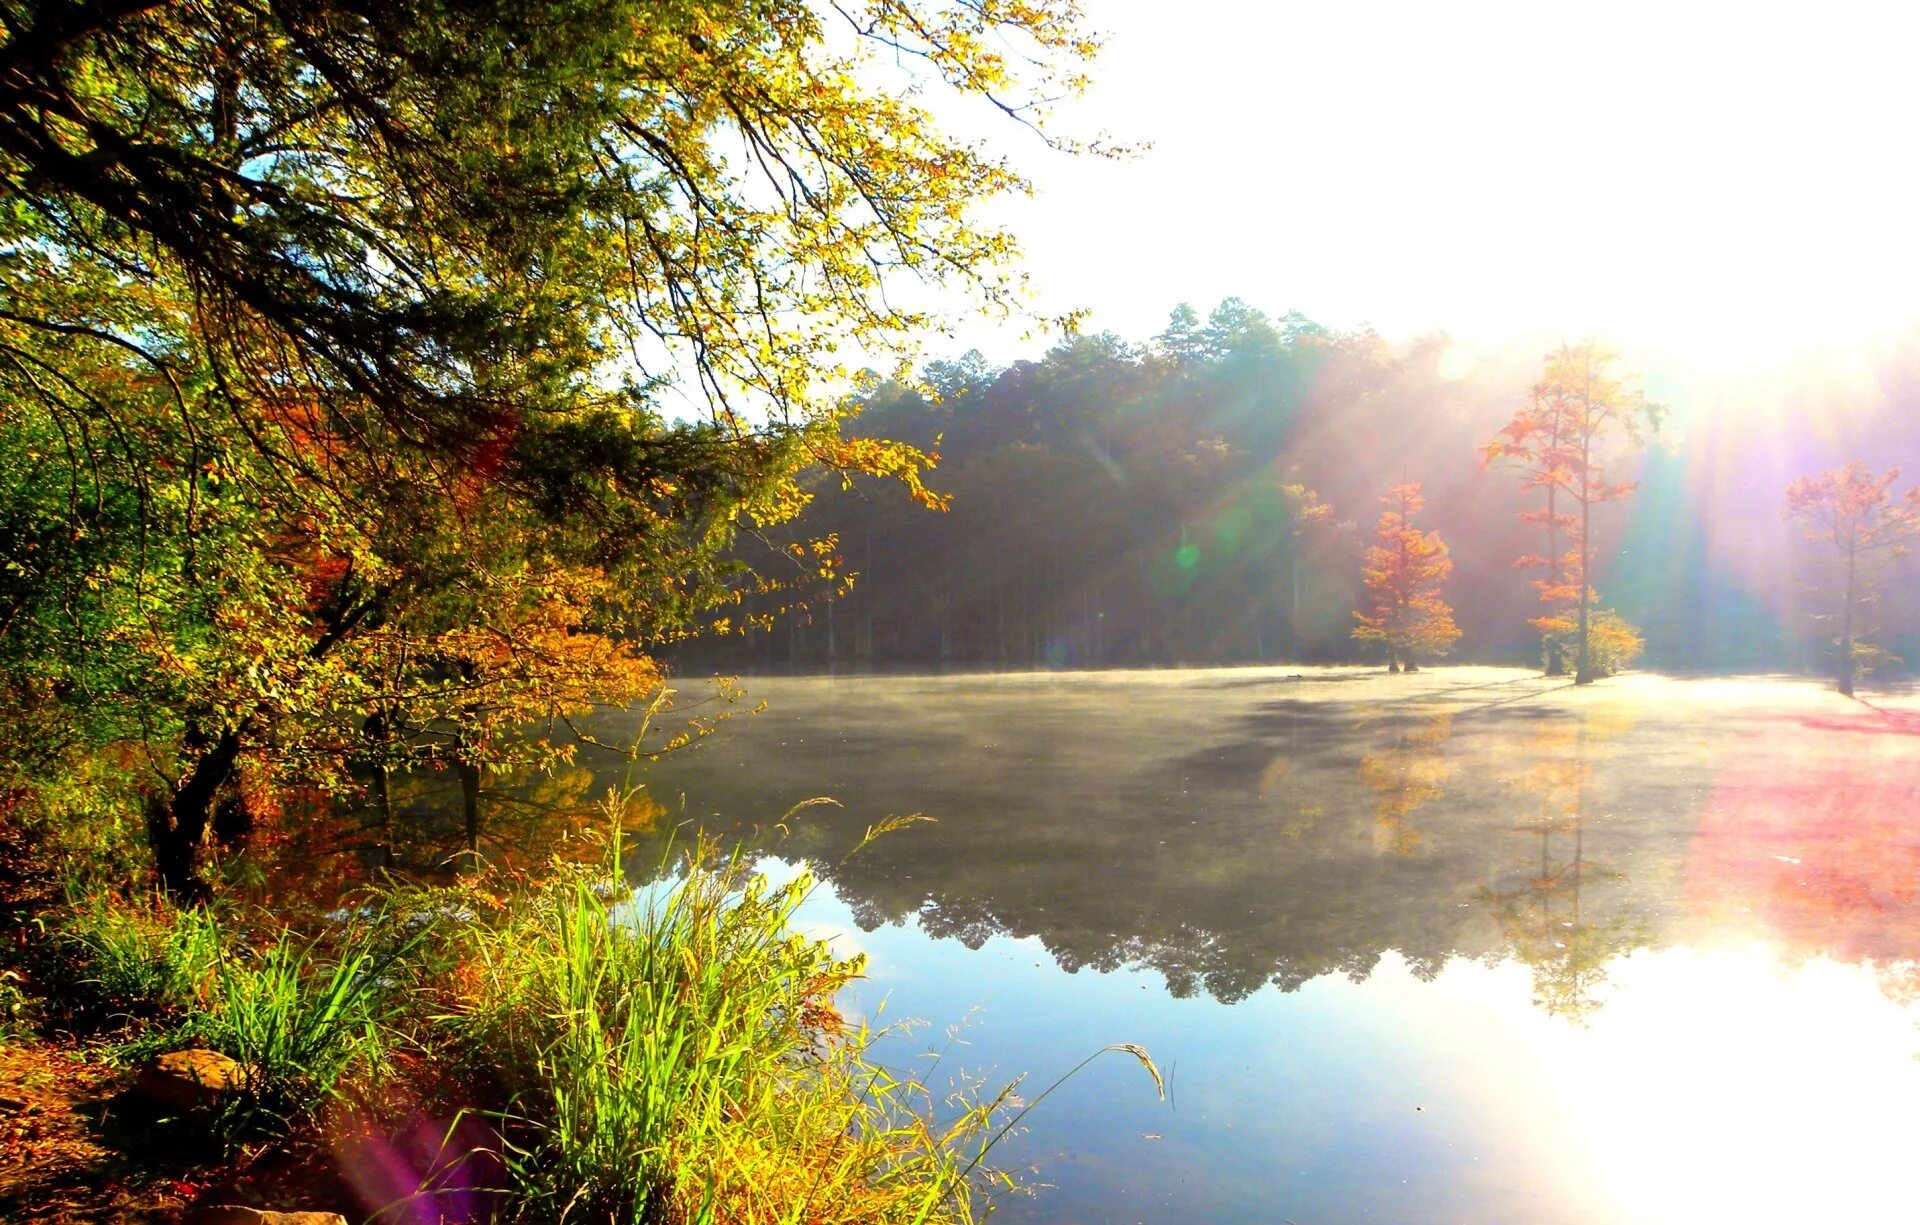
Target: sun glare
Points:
(1713, 191)
(1696, 1095)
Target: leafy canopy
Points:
(420, 360)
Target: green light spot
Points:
(1230, 527)
(1186, 556)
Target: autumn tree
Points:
(337, 342)
(1859, 516)
(1533, 443)
(1560, 443)
(1405, 570)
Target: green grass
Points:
(675, 1057)
(124, 959)
(670, 1056)
(302, 1025)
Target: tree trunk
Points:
(1295, 611)
(1583, 670)
(470, 805)
(1846, 630)
(1556, 661)
(382, 785)
(177, 824)
(232, 821)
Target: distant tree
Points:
(1184, 341)
(1578, 406)
(967, 374)
(1235, 328)
(1532, 443)
(1311, 527)
(1405, 569)
(1856, 512)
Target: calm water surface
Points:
(1466, 946)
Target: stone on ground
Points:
(190, 1080)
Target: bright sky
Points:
(1718, 187)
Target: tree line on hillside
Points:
(1200, 498)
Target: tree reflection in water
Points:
(1235, 832)
(1542, 921)
(1407, 768)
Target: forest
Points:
(1206, 495)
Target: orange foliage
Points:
(1404, 572)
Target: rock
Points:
(191, 1080)
(233, 1214)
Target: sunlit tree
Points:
(327, 328)
(1857, 513)
(1531, 443)
(1405, 570)
(1561, 445)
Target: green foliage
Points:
(300, 1023)
(16, 1007)
(1111, 503)
(334, 340)
(117, 960)
(676, 1056)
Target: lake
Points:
(1468, 945)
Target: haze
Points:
(1721, 193)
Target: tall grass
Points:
(302, 1019)
(300, 1025)
(127, 959)
(671, 1056)
(676, 1057)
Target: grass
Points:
(301, 1021)
(121, 959)
(301, 1025)
(677, 1058)
(670, 1056)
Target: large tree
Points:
(1561, 443)
(1857, 513)
(392, 374)
(1533, 444)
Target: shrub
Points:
(299, 1024)
(1613, 642)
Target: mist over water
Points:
(1466, 945)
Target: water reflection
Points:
(1463, 946)
(1542, 919)
(1233, 833)
(1407, 767)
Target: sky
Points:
(1721, 191)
